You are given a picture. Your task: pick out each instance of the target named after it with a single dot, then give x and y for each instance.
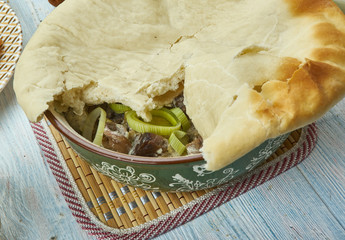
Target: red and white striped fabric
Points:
(179, 216)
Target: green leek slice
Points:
(177, 141)
(140, 126)
(160, 121)
(97, 113)
(119, 108)
(182, 117)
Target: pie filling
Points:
(116, 127)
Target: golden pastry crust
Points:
(251, 69)
(300, 93)
(298, 7)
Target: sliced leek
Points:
(177, 140)
(160, 121)
(182, 117)
(182, 136)
(140, 126)
(119, 108)
(97, 113)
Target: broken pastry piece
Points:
(250, 70)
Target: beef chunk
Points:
(195, 145)
(114, 138)
(115, 127)
(115, 117)
(178, 102)
(150, 145)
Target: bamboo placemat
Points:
(130, 213)
(122, 206)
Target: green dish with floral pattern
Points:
(185, 173)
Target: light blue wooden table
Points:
(307, 202)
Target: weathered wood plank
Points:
(31, 203)
(28, 19)
(325, 170)
(284, 208)
(32, 206)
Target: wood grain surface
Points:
(306, 202)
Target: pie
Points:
(249, 70)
